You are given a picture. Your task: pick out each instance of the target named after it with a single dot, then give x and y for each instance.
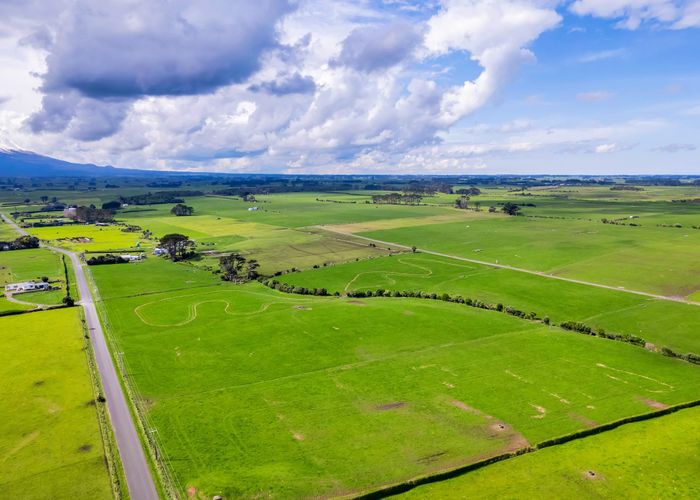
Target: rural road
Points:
(518, 269)
(136, 469)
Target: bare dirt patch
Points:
(408, 313)
(541, 411)
(653, 404)
(466, 407)
(302, 308)
(77, 239)
(584, 420)
(356, 302)
(592, 475)
(191, 491)
(391, 406)
(298, 436)
(498, 428)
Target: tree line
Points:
(397, 199)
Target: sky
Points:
(367, 87)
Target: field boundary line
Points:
(519, 269)
(403, 487)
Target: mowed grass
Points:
(50, 444)
(258, 393)
(661, 322)
(97, 238)
(650, 459)
(32, 265)
(655, 260)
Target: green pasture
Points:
(276, 248)
(648, 259)
(258, 393)
(6, 306)
(650, 459)
(147, 277)
(32, 265)
(87, 237)
(661, 322)
(50, 444)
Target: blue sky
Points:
(393, 86)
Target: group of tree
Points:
(181, 210)
(471, 191)
(112, 205)
(235, 267)
(159, 197)
(177, 246)
(21, 243)
(300, 290)
(397, 198)
(462, 202)
(92, 214)
(509, 208)
(106, 259)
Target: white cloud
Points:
(676, 14)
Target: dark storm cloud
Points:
(294, 84)
(377, 47)
(130, 49)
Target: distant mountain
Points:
(14, 163)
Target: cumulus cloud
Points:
(130, 49)
(372, 48)
(676, 14)
(496, 36)
(290, 84)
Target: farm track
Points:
(138, 474)
(518, 269)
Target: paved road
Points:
(136, 470)
(518, 269)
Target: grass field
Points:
(656, 260)
(629, 462)
(252, 390)
(32, 265)
(663, 323)
(50, 444)
(82, 238)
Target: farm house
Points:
(28, 286)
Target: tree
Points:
(177, 245)
(252, 269)
(181, 209)
(44, 198)
(112, 205)
(232, 267)
(462, 202)
(510, 208)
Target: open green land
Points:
(661, 322)
(656, 260)
(50, 444)
(252, 391)
(86, 237)
(32, 265)
(650, 459)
